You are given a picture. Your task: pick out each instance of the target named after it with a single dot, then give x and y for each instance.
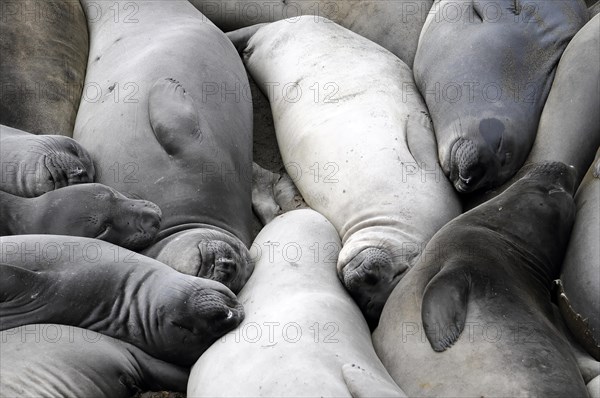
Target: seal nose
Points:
(469, 169)
(149, 219)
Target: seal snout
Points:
(222, 262)
(558, 176)
(467, 169)
(216, 309)
(370, 278)
(150, 217)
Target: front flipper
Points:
(362, 383)
(240, 37)
(174, 116)
(444, 308)
(263, 198)
(273, 194)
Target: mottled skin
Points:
(393, 24)
(48, 360)
(579, 285)
(485, 75)
(87, 210)
(44, 47)
(175, 143)
(319, 343)
(474, 317)
(95, 285)
(33, 165)
(366, 132)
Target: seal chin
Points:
(370, 278)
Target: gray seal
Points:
(95, 285)
(44, 47)
(48, 360)
(486, 90)
(179, 139)
(474, 317)
(87, 210)
(579, 284)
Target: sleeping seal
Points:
(474, 316)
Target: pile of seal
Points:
(356, 198)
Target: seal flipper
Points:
(240, 37)
(444, 308)
(173, 116)
(362, 383)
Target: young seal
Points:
(474, 316)
(87, 210)
(44, 47)
(371, 134)
(95, 285)
(33, 165)
(303, 336)
(485, 69)
(181, 133)
(47, 360)
(579, 284)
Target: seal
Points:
(577, 78)
(96, 285)
(486, 112)
(87, 210)
(83, 364)
(301, 324)
(177, 142)
(367, 131)
(474, 316)
(578, 287)
(33, 165)
(44, 47)
(393, 24)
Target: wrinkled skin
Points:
(64, 361)
(33, 165)
(98, 286)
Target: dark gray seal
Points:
(474, 316)
(485, 69)
(44, 47)
(184, 131)
(87, 210)
(48, 360)
(95, 285)
(33, 165)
